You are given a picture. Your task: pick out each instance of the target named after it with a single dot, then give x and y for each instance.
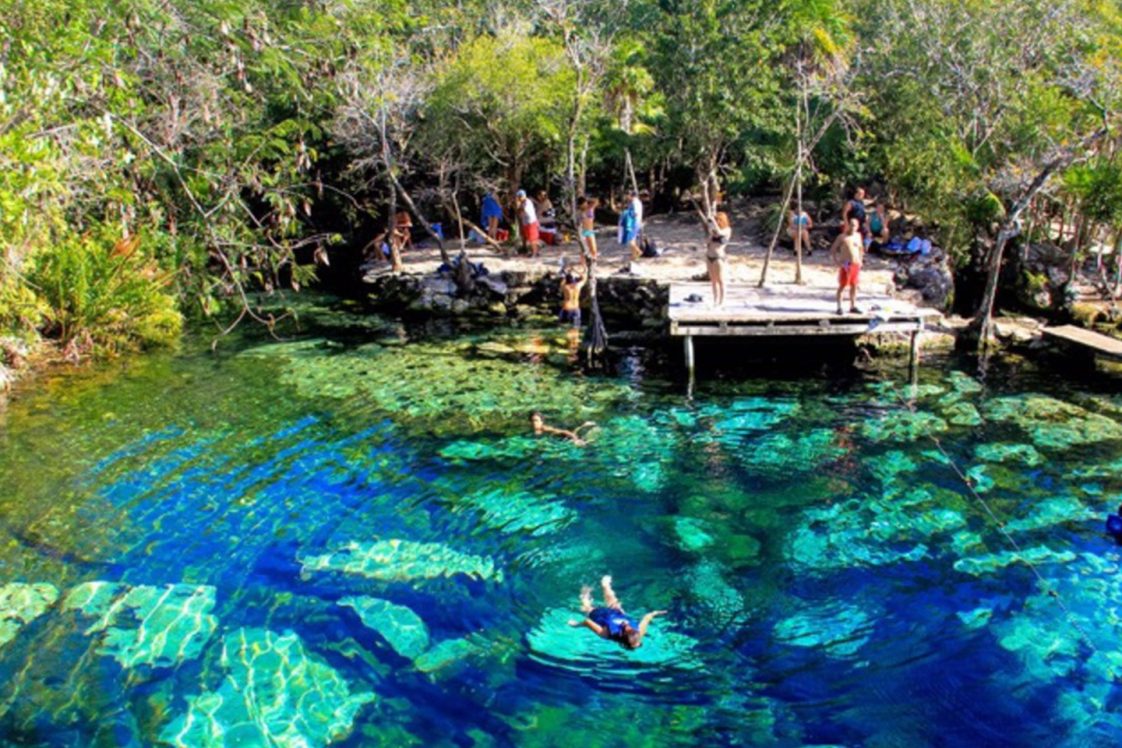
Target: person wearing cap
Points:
(528, 222)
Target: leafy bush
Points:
(103, 296)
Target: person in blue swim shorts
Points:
(610, 621)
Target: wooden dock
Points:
(787, 311)
(1093, 342)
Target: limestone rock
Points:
(22, 603)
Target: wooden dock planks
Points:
(787, 310)
(1100, 344)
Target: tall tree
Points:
(982, 106)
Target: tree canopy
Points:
(164, 159)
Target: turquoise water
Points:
(349, 538)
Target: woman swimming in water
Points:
(610, 622)
(540, 427)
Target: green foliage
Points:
(104, 296)
(214, 130)
(1097, 189)
(504, 95)
(972, 100)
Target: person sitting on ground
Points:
(718, 230)
(610, 622)
(491, 213)
(547, 215)
(798, 228)
(528, 223)
(878, 225)
(854, 208)
(571, 285)
(403, 229)
(631, 223)
(376, 250)
(846, 254)
(540, 427)
(586, 209)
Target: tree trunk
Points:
(778, 228)
(799, 177)
(424, 222)
(391, 229)
(1011, 227)
(630, 169)
(806, 151)
(1117, 264)
(459, 223)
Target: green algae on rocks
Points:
(518, 511)
(401, 561)
(838, 629)
(435, 385)
(1053, 423)
(274, 692)
(20, 604)
(402, 629)
(145, 624)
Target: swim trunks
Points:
(848, 274)
(530, 232)
(572, 316)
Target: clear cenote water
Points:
(350, 538)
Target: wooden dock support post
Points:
(689, 357)
(913, 357)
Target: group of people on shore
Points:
(536, 219)
(860, 229)
(862, 226)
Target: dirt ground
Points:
(683, 241)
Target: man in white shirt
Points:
(637, 207)
(528, 222)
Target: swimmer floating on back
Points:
(541, 427)
(610, 622)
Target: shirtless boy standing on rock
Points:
(571, 286)
(846, 252)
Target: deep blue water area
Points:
(351, 537)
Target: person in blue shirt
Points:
(631, 223)
(610, 621)
(855, 208)
(490, 215)
(798, 228)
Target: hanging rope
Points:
(1045, 584)
(597, 333)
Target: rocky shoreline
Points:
(633, 303)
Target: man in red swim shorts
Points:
(846, 251)
(528, 223)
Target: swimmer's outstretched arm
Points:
(596, 628)
(646, 621)
(563, 433)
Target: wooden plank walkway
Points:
(1096, 342)
(787, 310)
